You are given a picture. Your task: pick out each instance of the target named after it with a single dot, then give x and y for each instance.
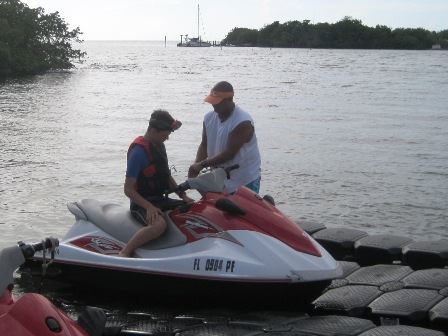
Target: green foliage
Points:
(442, 38)
(347, 33)
(242, 36)
(32, 41)
(5, 57)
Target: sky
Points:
(160, 19)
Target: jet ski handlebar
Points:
(28, 250)
(229, 169)
(209, 181)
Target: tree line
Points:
(347, 33)
(33, 42)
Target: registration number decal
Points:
(215, 265)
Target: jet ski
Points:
(32, 314)
(234, 245)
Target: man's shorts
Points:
(254, 185)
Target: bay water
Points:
(349, 138)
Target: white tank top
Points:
(248, 157)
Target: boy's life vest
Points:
(154, 179)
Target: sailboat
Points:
(194, 41)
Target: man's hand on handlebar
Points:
(195, 169)
(187, 199)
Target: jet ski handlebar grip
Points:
(179, 188)
(229, 169)
(28, 250)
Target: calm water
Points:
(348, 138)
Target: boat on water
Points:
(193, 41)
(236, 245)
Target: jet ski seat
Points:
(118, 222)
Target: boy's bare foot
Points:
(123, 255)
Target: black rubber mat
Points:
(406, 304)
(332, 325)
(379, 275)
(438, 315)
(348, 267)
(380, 249)
(346, 300)
(434, 278)
(401, 330)
(339, 242)
(426, 254)
(311, 227)
(231, 328)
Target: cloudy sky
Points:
(157, 19)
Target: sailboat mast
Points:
(199, 37)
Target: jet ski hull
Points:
(162, 289)
(222, 245)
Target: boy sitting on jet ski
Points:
(147, 177)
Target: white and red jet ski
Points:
(32, 314)
(237, 244)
